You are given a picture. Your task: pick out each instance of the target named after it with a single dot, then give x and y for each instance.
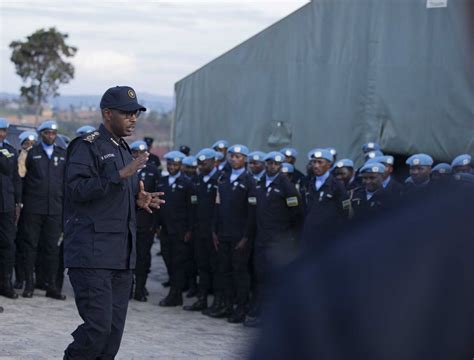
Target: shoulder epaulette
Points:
(91, 137)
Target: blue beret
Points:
(121, 98)
(84, 130)
(287, 168)
(139, 145)
(190, 161)
(48, 125)
(28, 135)
(372, 168)
(320, 153)
(206, 154)
(373, 154)
(239, 149)
(176, 156)
(461, 160)
(420, 160)
(287, 151)
(332, 150)
(371, 146)
(275, 156)
(257, 156)
(4, 124)
(344, 163)
(385, 159)
(219, 155)
(442, 168)
(221, 144)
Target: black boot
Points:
(52, 291)
(199, 305)
(215, 304)
(29, 286)
(193, 289)
(19, 278)
(140, 294)
(238, 315)
(7, 288)
(222, 311)
(174, 298)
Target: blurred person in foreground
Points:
(394, 287)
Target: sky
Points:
(148, 45)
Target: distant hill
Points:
(157, 103)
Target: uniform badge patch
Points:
(92, 136)
(6, 153)
(252, 200)
(194, 199)
(131, 94)
(292, 201)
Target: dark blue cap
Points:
(121, 98)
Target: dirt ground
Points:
(40, 328)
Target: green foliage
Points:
(40, 62)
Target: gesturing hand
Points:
(135, 165)
(146, 200)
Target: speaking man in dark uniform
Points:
(279, 216)
(324, 198)
(234, 233)
(10, 202)
(204, 252)
(176, 219)
(146, 223)
(101, 192)
(41, 217)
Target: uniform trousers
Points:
(101, 297)
(7, 241)
(205, 256)
(232, 276)
(144, 243)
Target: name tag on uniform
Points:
(6, 153)
(292, 201)
(194, 199)
(346, 204)
(37, 157)
(252, 200)
(106, 156)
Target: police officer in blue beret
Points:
(420, 170)
(221, 146)
(324, 199)
(256, 164)
(290, 158)
(152, 158)
(204, 251)
(85, 130)
(370, 146)
(462, 164)
(279, 217)
(389, 183)
(101, 194)
(441, 172)
(27, 139)
(176, 219)
(343, 171)
(10, 204)
(41, 218)
(146, 222)
(189, 167)
(371, 197)
(233, 233)
(288, 170)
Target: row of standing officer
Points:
(34, 202)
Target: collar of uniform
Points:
(271, 178)
(260, 175)
(222, 165)
(237, 172)
(116, 140)
(207, 177)
(178, 174)
(386, 182)
(322, 178)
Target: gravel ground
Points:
(40, 328)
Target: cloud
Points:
(153, 43)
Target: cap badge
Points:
(131, 94)
(340, 164)
(237, 149)
(278, 158)
(318, 154)
(255, 157)
(375, 169)
(202, 157)
(176, 159)
(416, 161)
(465, 162)
(288, 153)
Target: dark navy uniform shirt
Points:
(99, 209)
(176, 215)
(10, 182)
(236, 200)
(279, 211)
(149, 175)
(206, 202)
(43, 183)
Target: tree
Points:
(40, 62)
